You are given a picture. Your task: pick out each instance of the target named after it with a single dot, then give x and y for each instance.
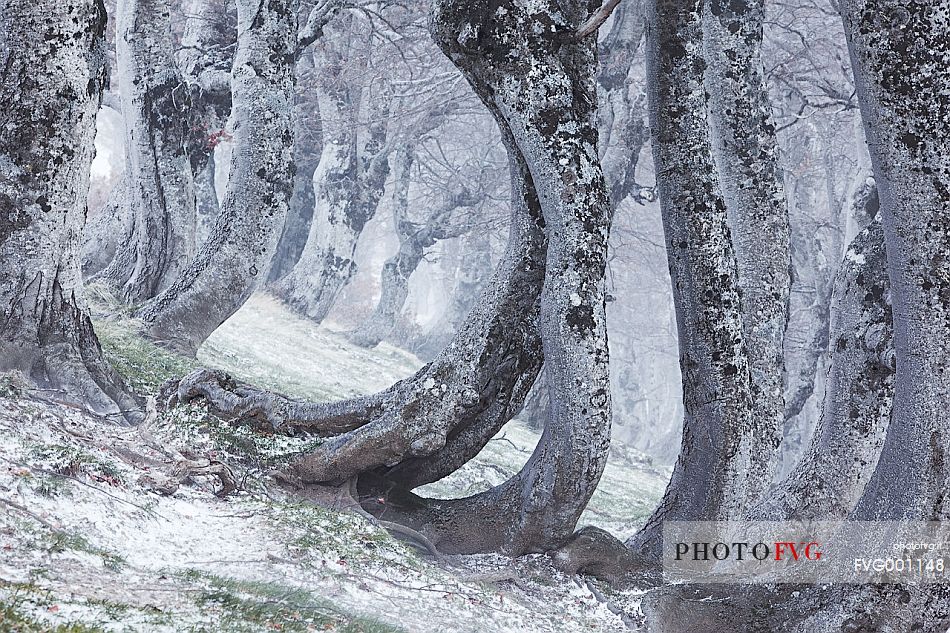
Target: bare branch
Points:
(595, 21)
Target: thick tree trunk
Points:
(53, 58)
(160, 195)
(714, 476)
(831, 476)
(623, 128)
(231, 263)
(746, 153)
(414, 240)
(350, 181)
(307, 153)
(901, 57)
(108, 231)
(429, 425)
(546, 99)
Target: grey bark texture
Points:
(832, 474)
(158, 193)
(714, 477)
(746, 151)
(308, 141)
(415, 238)
(900, 52)
(235, 257)
(539, 86)
(350, 181)
(53, 58)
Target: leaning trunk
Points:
(350, 187)
(231, 263)
(714, 476)
(159, 195)
(901, 57)
(746, 153)
(831, 476)
(53, 58)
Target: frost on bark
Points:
(236, 255)
(831, 475)
(544, 99)
(350, 180)
(307, 152)
(900, 52)
(538, 84)
(746, 151)
(158, 193)
(414, 240)
(713, 477)
(623, 128)
(53, 59)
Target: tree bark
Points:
(308, 141)
(831, 476)
(713, 478)
(230, 265)
(414, 240)
(350, 181)
(901, 58)
(159, 193)
(53, 58)
(746, 151)
(545, 97)
(440, 418)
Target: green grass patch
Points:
(247, 605)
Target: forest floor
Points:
(96, 534)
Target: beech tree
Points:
(53, 54)
(901, 58)
(237, 254)
(415, 238)
(548, 294)
(350, 176)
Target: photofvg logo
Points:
(806, 552)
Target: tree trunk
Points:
(428, 426)
(545, 97)
(713, 478)
(831, 476)
(350, 181)
(53, 59)
(901, 57)
(107, 232)
(307, 153)
(230, 265)
(746, 152)
(159, 191)
(414, 240)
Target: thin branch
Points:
(595, 21)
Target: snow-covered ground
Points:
(88, 544)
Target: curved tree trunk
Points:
(231, 263)
(434, 422)
(159, 191)
(714, 476)
(53, 58)
(746, 151)
(307, 153)
(901, 57)
(350, 181)
(414, 240)
(831, 476)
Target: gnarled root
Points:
(235, 400)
